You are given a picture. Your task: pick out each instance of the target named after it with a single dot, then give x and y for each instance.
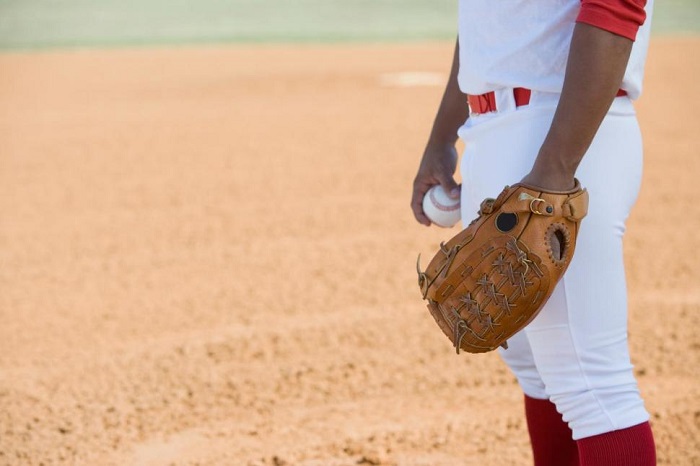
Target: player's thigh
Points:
(499, 152)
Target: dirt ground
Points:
(207, 258)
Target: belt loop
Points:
(505, 100)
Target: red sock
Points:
(550, 436)
(633, 446)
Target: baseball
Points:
(441, 209)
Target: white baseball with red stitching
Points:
(441, 209)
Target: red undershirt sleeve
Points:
(621, 17)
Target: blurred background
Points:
(85, 23)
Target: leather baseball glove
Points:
(491, 279)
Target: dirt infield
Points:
(207, 257)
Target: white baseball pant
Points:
(575, 352)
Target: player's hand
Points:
(437, 167)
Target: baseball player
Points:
(549, 86)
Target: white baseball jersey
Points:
(525, 43)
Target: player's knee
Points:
(521, 363)
(532, 385)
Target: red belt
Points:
(486, 103)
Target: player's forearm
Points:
(453, 110)
(596, 66)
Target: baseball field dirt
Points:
(207, 257)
